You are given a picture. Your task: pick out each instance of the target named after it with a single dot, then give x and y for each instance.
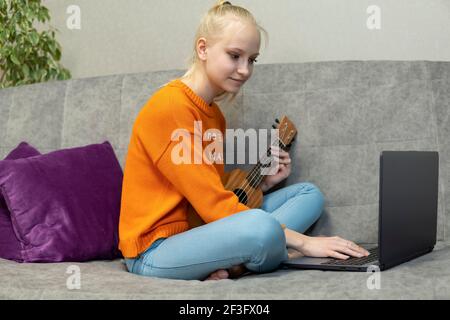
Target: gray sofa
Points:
(346, 113)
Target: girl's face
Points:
(229, 61)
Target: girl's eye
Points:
(235, 56)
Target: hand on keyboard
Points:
(335, 247)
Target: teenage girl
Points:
(156, 238)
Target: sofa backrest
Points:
(346, 114)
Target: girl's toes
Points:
(222, 274)
(218, 275)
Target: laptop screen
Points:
(408, 204)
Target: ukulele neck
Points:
(255, 176)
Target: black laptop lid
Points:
(408, 204)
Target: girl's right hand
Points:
(335, 247)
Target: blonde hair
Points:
(211, 27)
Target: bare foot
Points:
(232, 273)
(237, 271)
(218, 275)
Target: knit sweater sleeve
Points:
(199, 183)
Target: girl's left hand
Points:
(284, 168)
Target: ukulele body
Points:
(248, 195)
(235, 181)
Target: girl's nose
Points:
(243, 70)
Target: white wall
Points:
(127, 36)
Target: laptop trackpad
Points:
(307, 260)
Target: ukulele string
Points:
(247, 183)
(260, 177)
(255, 175)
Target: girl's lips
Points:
(240, 81)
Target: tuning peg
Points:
(277, 121)
(274, 126)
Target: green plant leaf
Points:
(14, 59)
(52, 46)
(52, 73)
(34, 38)
(43, 74)
(35, 76)
(26, 70)
(57, 55)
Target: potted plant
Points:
(26, 55)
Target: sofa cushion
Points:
(65, 204)
(9, 244)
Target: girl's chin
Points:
(232, 87)
(233, 90)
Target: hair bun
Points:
(222, 3)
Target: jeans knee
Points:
(318, 196)
(267, 240)
(265, 230)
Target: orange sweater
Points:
(156, 191)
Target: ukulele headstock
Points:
(287, 131)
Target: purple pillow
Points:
(65, 204)
(9, 244)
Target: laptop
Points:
(407, 217)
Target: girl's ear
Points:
(201, 49)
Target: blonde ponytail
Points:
(222, 3)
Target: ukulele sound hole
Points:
(241, 195)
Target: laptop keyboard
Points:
(373, 256)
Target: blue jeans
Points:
(253, 237)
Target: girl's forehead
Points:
(237, 27)
(242, 36)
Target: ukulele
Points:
(246, 185)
